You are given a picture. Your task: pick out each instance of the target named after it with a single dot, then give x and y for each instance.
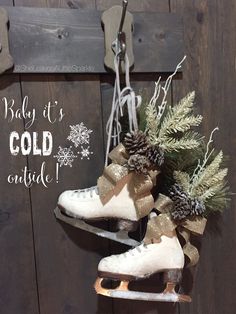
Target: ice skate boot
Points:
(164, 255)
(121, 194)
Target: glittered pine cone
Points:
(138, 163)
(136, 143)
(197, 207)
(155, 154)
(184, 206)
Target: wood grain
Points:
(72, 41)
(18, 287)
(137, 6)
(66, 258)
(210, 32)
(72, 4)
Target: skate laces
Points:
(123, 97)
(137, 249)
(91, 192)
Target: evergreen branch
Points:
(219, 201)
(152, 123)
(182, 179)
(189, 140)
(218, 177)
(211, 191)
(179, 118)
(208, 175)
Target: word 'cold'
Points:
(27, 143)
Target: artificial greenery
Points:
(171, 131)
(207, 183)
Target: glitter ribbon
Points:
(116, 175)
(163, 224)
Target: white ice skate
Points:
(83, 206)
(165, 256)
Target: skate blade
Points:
(120, 236)
(122, 292)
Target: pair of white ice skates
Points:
(153, 255)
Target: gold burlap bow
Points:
(163, 224)
(116, 175)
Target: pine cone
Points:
(197, 207)
(138, 163)
(136, 143)
(184, 205)
(155, 154)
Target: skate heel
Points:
(172, 277)
(127, 225)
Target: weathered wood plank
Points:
(72, 4)
(67, 258)
(210, 31)
(140, 6)
(18, 288)
(72, 41)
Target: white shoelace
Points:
(120, 98)
(91, 192)
(138, 249)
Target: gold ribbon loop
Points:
(196, 225)
(118, 155)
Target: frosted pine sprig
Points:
(183, 180)
(189, 140)
(179, 118)
(207, 184)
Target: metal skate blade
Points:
(120, 236)
(122, 292)
(145, 296)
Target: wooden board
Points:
(72, 41)
(210, 30)
(66, 258)
(18, 286)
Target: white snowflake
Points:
(79, 134)
(85, 152)
(65, 156)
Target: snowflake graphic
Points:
(79, 134)
(85, 152)
(65, 156)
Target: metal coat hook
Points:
(121, 35)
(118, 26)
(125, 4)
